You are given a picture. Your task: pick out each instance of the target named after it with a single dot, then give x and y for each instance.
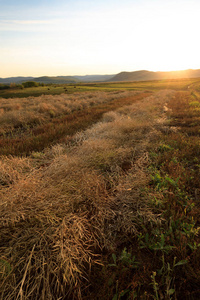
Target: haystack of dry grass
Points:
(60, 209)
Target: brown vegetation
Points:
(103, 214)
(31, 124)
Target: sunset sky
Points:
(78, 37)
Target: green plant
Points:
(163, 182)
(124, 263)
(166, 273)
(193, 245)
(118, 295)
(5, 267)
(128, 260)
(125, 260)
(156, 241)
(164, 147)
(189, 229)
(194, 104)
(155, 285)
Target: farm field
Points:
(57, 89)
(100, 191)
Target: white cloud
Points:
(26, 22)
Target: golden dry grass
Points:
(61, 208)
(38, 124)
(16, 112)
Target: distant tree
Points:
(4, 86)
(12, 85)
(20, 86)
(28, 84)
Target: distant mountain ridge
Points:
(42, 79)
(18, 79)
(57, 79)
(142, 75)
(90, 78)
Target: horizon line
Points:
(97, 74)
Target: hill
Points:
(18, 79)
(57, 79)
(142, 75)
(90, 78)
(42, 79)
(150, 75)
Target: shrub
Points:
(4, 86)
(28, 84)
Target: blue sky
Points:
(72, 37)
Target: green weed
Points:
(166, 280)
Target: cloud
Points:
(17, 25)
(26, 22)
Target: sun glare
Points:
(156, 36)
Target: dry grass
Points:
(39, 123)
(16, 112)
(62, 208)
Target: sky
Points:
(79, 37)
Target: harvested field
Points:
(104, 214)
(31, 124)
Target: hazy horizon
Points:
(81, 37)
(95, 74)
